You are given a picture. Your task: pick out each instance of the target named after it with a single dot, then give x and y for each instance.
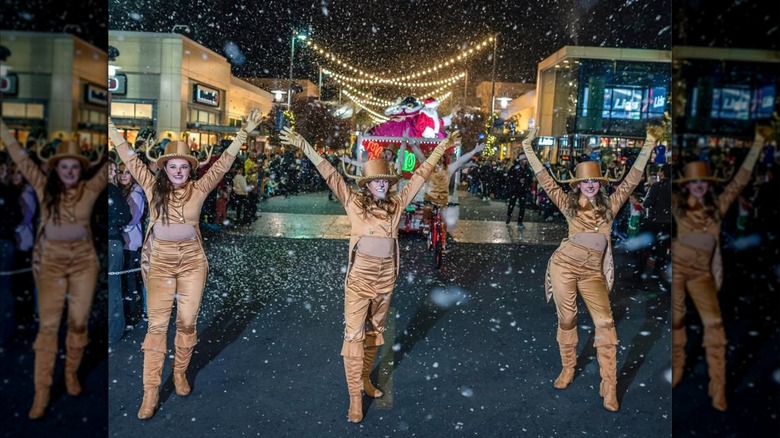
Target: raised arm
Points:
(399, 162)
(454, 167)
(137, 168)
(332, 178)
(217, 171)
(419, 154)
(530, 155)
(29, 169)
(742, 178)
(622, 192)
(423, 172)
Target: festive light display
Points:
(434, 68)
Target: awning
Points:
(223, 129)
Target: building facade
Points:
(172, 87)
(54, 85)
(596, 98)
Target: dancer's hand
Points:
(479, 148)
(292, 138)
(6, 135)
(114, 134)
(653, 133)
(529, 138)
(253, 120)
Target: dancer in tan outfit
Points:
(373, 257)
(173, 264)
(64, 258)
(583, 262)
(696, 262)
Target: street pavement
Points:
(470, 348)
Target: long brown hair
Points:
(126, 188)
(680, 205)
(601, 203)
(54, 190)
(367, 203)
(161, 193)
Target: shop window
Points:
(122, 109)
(23, 110)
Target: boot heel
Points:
(40, 403)
(148, 405)
(355, 414)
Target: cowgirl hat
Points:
(696, 171)
(375, 168)
(176, 149)
(587, 171)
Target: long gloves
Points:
(292, 138)
(654, 132)
(437, 153)
(250, 124)
(762, 132)
(530, 155)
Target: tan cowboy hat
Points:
(177, 149)
(585, 171)
(67, 149)
(696, 171)
(376, 168)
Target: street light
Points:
(301, 36)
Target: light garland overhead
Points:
(358, 102)
(446, 81)
(434, 68)
(370, 98)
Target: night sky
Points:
(395, 37)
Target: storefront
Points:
(719, 96)
(170, 87)
(597, 101)
(61, 91)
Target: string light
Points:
(370, 98)
(344, 78)
(433, 68)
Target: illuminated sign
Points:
(546, 141)
(95, 95)
(118, 84)
(9, 84)
(205, 95)
(409, 162)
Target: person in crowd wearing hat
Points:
(64, 260)
(373, 256)
(696, 262)
(173, 263)
(583, 262)
(519, 182)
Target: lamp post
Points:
(301, 36)
(493, 80)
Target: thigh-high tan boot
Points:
(679, 338)
(715, 347)
(45, 347)
(567, 344)
(184, 343)
(353, 367)
(606, 352)
(369, 353)
(74, 352)
(154, 348)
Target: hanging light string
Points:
(380, 118)
(434, 68)
(448, 80)
(369, 97)
(377, 117)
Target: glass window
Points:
(122, 109)
(143, 111)
(35, 110)
(11, 109)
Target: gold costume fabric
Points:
(67, 267)
(177, 271)
(575, 268)
(369, 289)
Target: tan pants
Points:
(67, 267)
(370, 285)
(577, 268)
(691, 272)
(177, 270)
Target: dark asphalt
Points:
(471, 350)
